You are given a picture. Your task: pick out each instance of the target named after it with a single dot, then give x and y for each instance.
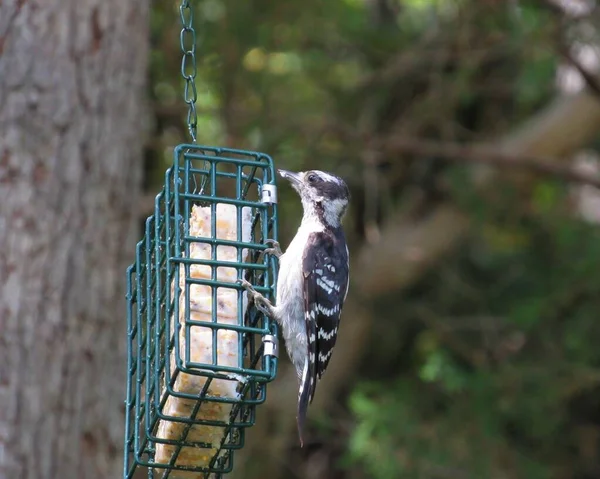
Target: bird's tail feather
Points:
(303, 401)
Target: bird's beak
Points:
(294, 178)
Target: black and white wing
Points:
(325, 268)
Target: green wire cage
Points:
(199, 357)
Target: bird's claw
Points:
(248, 287)
(275, 249)
(261, 303)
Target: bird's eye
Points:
(312, 178)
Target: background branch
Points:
(405, 251)
(487, 155)
(590, 80)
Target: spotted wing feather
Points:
(325, 267)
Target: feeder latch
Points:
(269, 194)
(271, 345)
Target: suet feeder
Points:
(198, 358)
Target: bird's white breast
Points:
(290, 299)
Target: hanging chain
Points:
(187, 40)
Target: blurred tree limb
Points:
(592, 82)
(405, 250)
(489, 156)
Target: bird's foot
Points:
(261, 303)
(248, 287)
(275, 249)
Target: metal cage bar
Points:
(161, 278)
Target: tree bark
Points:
(72, 84)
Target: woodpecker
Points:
(313, 281)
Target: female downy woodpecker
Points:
(313, 281)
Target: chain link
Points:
(187, 40)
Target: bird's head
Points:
(324, 196)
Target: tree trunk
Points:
(72, 83)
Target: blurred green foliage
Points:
(500, 377)
(488, 366)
